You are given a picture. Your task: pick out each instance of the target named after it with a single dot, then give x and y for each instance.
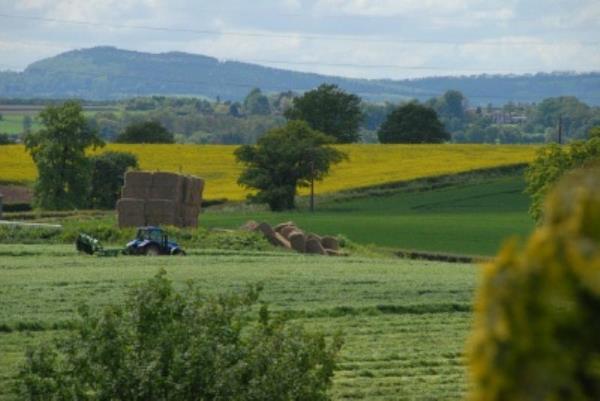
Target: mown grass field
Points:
(405, 322)
(471, 218)
(368, 165)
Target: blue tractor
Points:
(152, 241)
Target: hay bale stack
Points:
(190, 216)
(162, 198)
(167, 186)
(131, 212)
(161, 211)
(193, 190)
(137, 185)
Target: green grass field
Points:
(405, 322)
(13, 124)
(472, 218)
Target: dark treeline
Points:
(202, 121)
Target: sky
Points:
(357, 38)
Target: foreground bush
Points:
(166, 345)
(537, 323)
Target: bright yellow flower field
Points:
(367, 165)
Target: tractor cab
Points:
(152, 241)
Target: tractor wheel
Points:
(179, 252)
(151, 250)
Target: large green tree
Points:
(58, 150)
(412, 123)
(330, 110)
(575, 117)
(284, 159)
(146, 132)
(108, 171)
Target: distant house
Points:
(502, 117)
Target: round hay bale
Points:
(281, 226)
(298, 241)
(313, 236)
(313, 246)
(279, 240)
(287, 230)
(330, 243)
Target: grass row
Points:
(404, 338)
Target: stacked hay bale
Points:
(160, 199)
(289, 236)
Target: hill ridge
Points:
(107, 72)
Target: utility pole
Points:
(312, 185)
(560, 130)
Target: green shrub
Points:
(170, 346)
(537, 320)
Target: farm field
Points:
(472, 218)
(405, 322)
(13, 123)
(368, 165)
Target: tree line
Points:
(202, 121)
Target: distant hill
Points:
(103, 73)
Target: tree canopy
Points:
(108, 171)
(145, 132)
(330, 110)
(58, 151)
(412, 123)
(257, 103)
(284, 159)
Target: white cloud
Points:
(450, 36)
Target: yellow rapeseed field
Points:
(367, 165)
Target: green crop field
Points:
(405, 322)
(472, 218)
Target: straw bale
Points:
(196, 189)
(131, 212)
(281, 226)
(287, 230)
(279, 240)
(190, 216)
(298, 241)
(161, 211)
(313, 246)
(167, 186)
(330, 243)
(135, 191)
(138, 179)
(272, 236)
